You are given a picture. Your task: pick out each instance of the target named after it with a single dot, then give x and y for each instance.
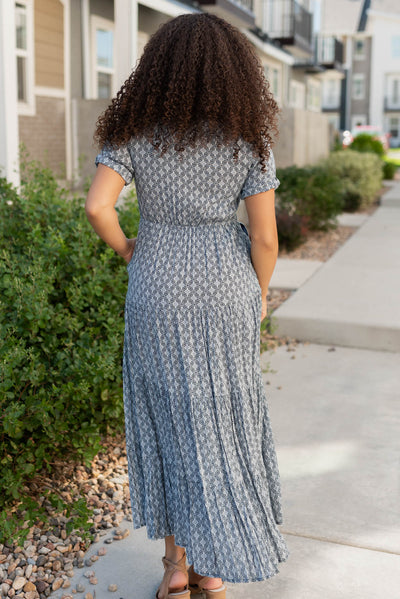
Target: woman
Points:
(193, 125)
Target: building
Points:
(370, 93)
(62, 60)
(383, 27)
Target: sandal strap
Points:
(215, 592)
(169, 568)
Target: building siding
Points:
(49, 43)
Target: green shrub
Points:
(62, 296)
(360, 175)
(367, 143)
(312, 193)
(389, 169)
(292, 229)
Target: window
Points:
(297, 94)
(359, 49)
(331, 93)
(396, 46)
(103, 57)
(358, 87)
(275, 82)
(313, 95)
(394, 127)
(273, 76)
(395, 91)
(24, 56)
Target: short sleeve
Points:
(257, 181)
(119, 159)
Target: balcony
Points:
(238, 12)
(392, 104)
(290, 24)
(329, 53)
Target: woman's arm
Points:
(264, 238)
(100, 210)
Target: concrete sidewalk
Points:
(335, 417)
(353, 299)
(336, 425)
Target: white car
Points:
(376, 132)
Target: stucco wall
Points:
(303, 138)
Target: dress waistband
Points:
(188, 225)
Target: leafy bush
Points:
(389, 169)
(62, 296)
(292, 229)
(360, 175)
(367, 143)
(313, 193)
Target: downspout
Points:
(67, 88)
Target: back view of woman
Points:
(192, 126)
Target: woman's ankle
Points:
(173, 552)
(175, 555)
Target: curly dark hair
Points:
(198, 77)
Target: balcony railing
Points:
(237, 12)
(392, 104)
(248, 4)
(289, 23)
(329, 51)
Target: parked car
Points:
(376, 132)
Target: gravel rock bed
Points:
(45, 562)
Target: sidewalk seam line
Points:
(326, 540)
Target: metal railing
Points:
(247, 4)
(392, 103)
(287, 19)
(329, 50)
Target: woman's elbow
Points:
(91, 207)
(268, 242)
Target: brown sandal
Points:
(197, 588)
(169, 568)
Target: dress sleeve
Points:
(119, 159)
(257, 181)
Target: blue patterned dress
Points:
(201, 455)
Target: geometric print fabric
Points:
(201, 456)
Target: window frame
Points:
(395, 42)
(95, 24)
(26, 107)
(297, 94)
(313, 95)
(359, 56)
(273, 74)
(361, 78)
(390, 127)
(331, 101)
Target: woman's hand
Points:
(264, 308)
(131, 248)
